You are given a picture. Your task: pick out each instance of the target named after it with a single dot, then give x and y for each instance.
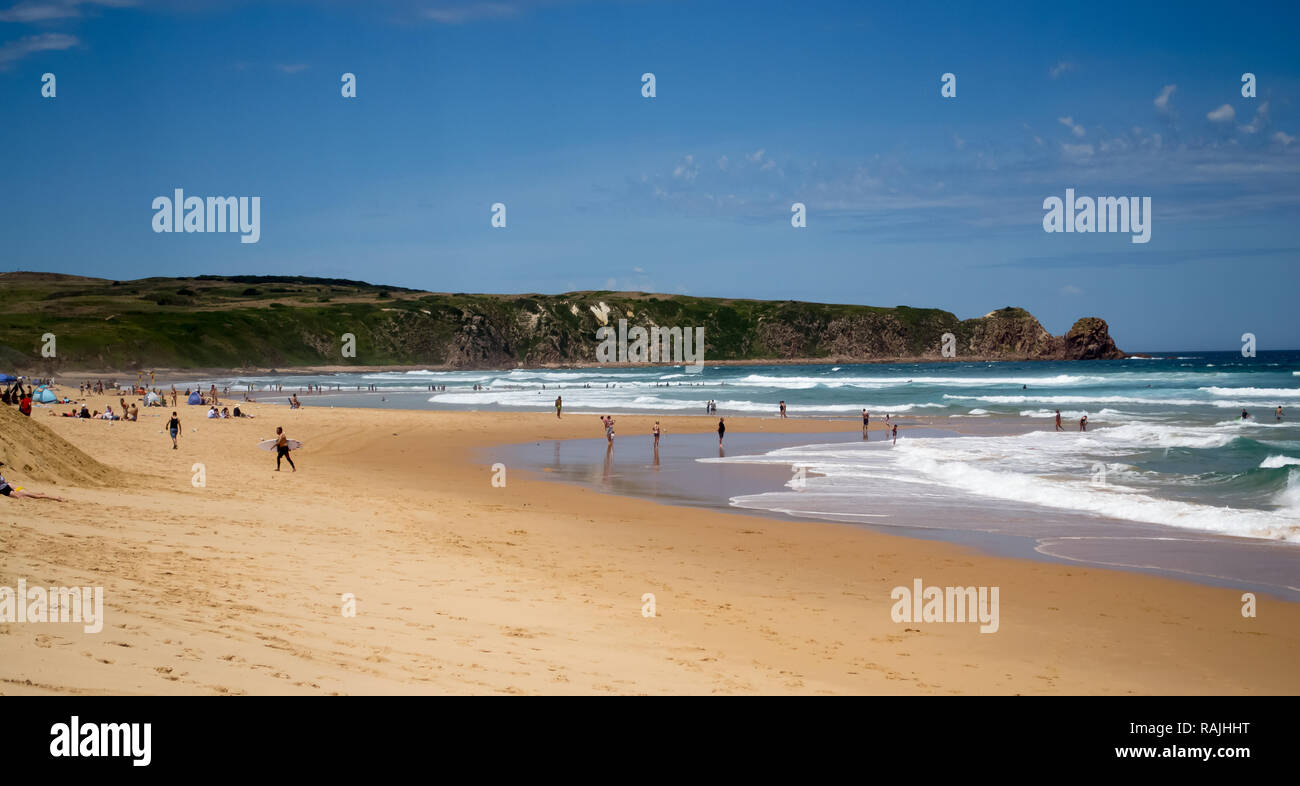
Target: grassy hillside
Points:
(287, 321)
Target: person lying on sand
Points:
(18, 492)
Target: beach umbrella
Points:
(9, 378)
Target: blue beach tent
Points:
(195, 398)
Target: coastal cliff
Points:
(288, 321)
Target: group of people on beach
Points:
(891, 429)
(1083, 422)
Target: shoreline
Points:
(537, 587)
(77, 375)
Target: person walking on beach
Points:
(1059, 427)
(559, 402)
(173, 395)
(866, 422)
(722, 431)
(608, 420)
(655, 431)
(18, 492)
(174, 428)
(282, 449)
(782, 409)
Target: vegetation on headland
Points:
(294, 321)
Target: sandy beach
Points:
(237, 586)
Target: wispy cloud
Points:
(457, 13)
(1162, 100)
(50, 10)
(292, 68)
(1060, 68)
(1074, 127)
(14, 51)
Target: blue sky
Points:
(912, 198)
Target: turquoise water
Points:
(1166, 442)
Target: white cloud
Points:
(1223, 114)
(1069, 123)
(1060, 68)
(1162, 100)
(292, 68)
(958, 142)
(755, 156)
(1071, 289)
(16, 50)
(1078, 151)
(1283, 138)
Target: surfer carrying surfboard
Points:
(282, 449)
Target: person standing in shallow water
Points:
(1059, 427)
(559, 402)
(722, 431)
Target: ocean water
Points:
(1166, 443)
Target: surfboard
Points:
(269, 444)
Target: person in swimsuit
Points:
(782, 409)
(174, 428)
(18, 492)
(866, 422)
(722, 430)
(655, 431)
(895, 433)
(559, 402)
(1083, 423)
(1279, 414)
(1059, 427)
(282, 449)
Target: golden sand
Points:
(461, 587)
